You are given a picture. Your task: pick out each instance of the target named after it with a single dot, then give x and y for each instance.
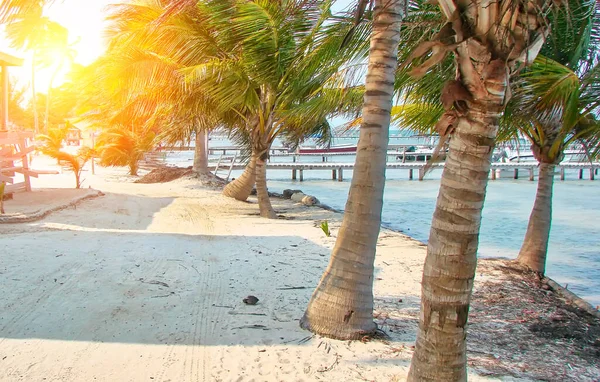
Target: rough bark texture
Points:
(241, 187)
(133, 167)
(342, 304)
(535, 246)
(201, 153)
(264, 202)
(449, 270)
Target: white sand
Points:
(146, 284)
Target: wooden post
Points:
(531, 176)
(421, 173)
(25, 162)
(404, 156)
(340, 175)
(333, 174)
(301, 175)
(493, 174)
(93, 146)
(591, 173)
(562, 173)
(580, 173)
(410, 174)
(294, 174)
(516, 176)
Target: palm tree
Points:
(559, 94)
(124, 146)
(489, 41)
(53, 140)
(342, 304)
(262, 61)
(26, 29)
(552, 105)
(59, 48)
(75, 162)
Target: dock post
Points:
(562, 173)
(421, 173)
(591, 173)
(340, 175)
(580, 173)
(410, 174)
(531, 176)
(301, 175)
(333, 174)
(294, 174)
(516, 176)
(493, 174)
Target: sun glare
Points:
(85, 22)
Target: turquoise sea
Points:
(574, 249)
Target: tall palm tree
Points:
(489, 41)
(342, 304)
(559, 93)
(59, 49)
(26, 29)
(266, 62)
(552, 105)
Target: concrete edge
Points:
(572, 297)
(45, 212)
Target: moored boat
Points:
(328, 150)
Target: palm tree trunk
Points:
(535, 246)
(241, 187)
(36, 127)
(48, 94)
(133, 167)
(200, 153)
(264, 202)
(342, 304)
(449, 270)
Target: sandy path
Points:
(146, 283)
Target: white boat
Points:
(526, 156)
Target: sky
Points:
(85, 21)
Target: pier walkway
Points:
(337, 169)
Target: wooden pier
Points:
(514, 169)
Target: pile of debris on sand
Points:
(520, 326)
(169, 174)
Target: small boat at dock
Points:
(328, 150)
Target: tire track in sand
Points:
(33, 302)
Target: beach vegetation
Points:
(342, 304)
(27, 28)
(53, 140)
(553, 104)
(73, 162)
(325, 228)
(119, 146)
(556, 106)
(488, 42)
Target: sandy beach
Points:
(144, 282)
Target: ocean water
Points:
(574, 248)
